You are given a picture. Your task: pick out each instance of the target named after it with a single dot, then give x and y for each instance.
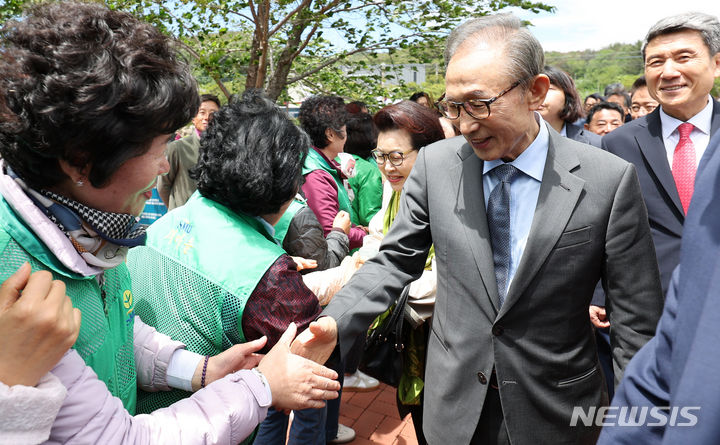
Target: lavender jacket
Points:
(225, 412)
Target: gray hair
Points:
(524, 52)
(706, 24)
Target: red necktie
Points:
(683, 166)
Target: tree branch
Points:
(215, 77)
(329, 6)
(281, 23)
(251, 5)
(381, 45)
(354, 8)
(304, 44)
(249, 19)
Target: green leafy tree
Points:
(274, 44)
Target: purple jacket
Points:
(321, 192)
(225, 412)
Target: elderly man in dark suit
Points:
(681, 61)
(678, 368)
(524, 223)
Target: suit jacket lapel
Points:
(653, 149)
(559, 192)
(467, 180)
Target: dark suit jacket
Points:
(679, 366)
(589, 224)
(580, 134)
(641, 143)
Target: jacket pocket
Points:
(578, 378)
(437, 337)
(574, 237)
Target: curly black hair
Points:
(318, 113)
(89, 86)
(251, 156)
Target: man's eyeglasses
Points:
(649, 108)
(396, 158)
(476, 108)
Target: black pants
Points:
(416, 413)
(491, 429)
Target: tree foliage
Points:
(593, 70)
(274, 44)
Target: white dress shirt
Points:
(524, 192)
(700, 135)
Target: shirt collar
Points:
(563, 130)
(268, 227)
(702, 121)
(532, 160)
(331, 162)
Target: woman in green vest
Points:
(367, 182)
(92, 97)
(404, 128)
(326, 189)
(212, 274)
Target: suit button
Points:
(482, 378)
(498, 330)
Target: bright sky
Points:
(583, 24)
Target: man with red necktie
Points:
(682, 60)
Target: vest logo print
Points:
(180, 236)
(130, 308)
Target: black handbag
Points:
(383, 354)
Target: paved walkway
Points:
(374, 417)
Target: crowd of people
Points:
(535, 235)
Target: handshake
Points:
(293, 368)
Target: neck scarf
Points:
(101, 238)
(390, 213)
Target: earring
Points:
(79, 183)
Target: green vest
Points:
(314, 161)
(106, 333)
(282, 226)
(367, 186)
(194, 276)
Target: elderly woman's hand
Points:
(241, 356)
(38, 324)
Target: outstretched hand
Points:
(318, 341)
(241, 356)
(304, 263)
(296, 382)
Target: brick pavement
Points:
(374, 417)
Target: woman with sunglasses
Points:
(405, 128)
